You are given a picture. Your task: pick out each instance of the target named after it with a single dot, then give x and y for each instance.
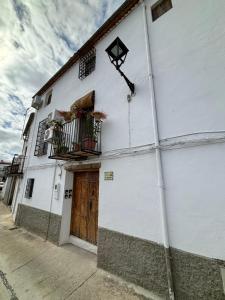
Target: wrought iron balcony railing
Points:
(16, 168)
(77, 139)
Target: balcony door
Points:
(84, 214)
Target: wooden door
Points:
(84, 217)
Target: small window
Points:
(87, 64)
(29, 188)
(41, 146)
(160, 8)
(48, 98)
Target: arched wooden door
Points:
(84, 215)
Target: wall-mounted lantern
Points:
(117, 53)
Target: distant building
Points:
(3, 165)
(145, 188)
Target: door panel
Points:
(84, 217)
(92, 226)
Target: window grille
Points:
(41, 146)
(49, 98)
(160, 8)
(87, 64)
(29, 188)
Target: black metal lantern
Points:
(117, 53)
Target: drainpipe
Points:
(51, 200)
(161, 185)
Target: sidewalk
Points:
(31, 268)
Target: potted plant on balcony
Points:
(99, 115)
(76, 146)
(57, 140)
(60, 149)
(90, 137)
(57, 124)
(93, 120)
(67, 115)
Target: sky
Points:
(36, 38)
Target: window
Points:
(41, 146)
(87, 64)
(48, 98)
(160, 8)
(29, 188)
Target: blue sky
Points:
(36, 39)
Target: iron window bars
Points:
(160, 8)
(29, 188)
(49, 98)
(41, 146)
(87, 63)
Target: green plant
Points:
(55, 123)
(59, 149)
(92, 127)
(99, 115)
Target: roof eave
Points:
(119, 14)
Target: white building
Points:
(152, 199)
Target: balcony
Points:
(76, 140)
(16, 168)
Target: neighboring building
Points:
(3, 176)
(3, 165)
(14, 171)
(148, 193)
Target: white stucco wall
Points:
(66, 209)
(45, 177)
(188, 53)
(129, 203)
(195, 199)
(42, 190)
(187, 57)
(188, 68)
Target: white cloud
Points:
(36, 38)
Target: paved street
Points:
(31, 268)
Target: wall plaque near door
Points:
(108, 175)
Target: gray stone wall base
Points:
(39, 222)
(142, 262)
(136, 260)
(196, 277)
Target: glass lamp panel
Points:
(120, 51)
(116, 51)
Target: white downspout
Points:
(51, 200)
(158, 159)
